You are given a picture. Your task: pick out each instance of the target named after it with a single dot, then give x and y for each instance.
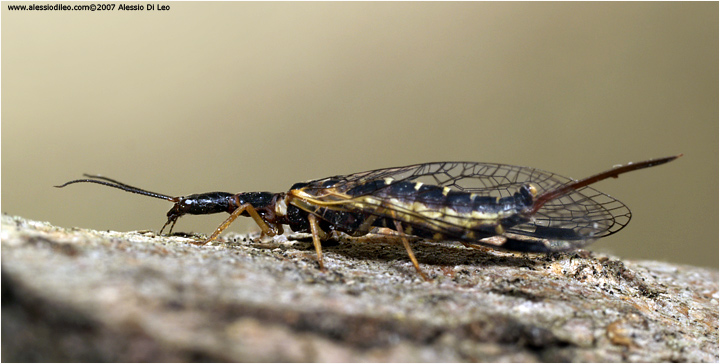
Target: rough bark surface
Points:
(85, 295)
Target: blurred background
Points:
(257, 96)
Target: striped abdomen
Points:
(423, 210)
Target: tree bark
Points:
(85, 295)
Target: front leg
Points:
(264, 226)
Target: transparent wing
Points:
(571, 220)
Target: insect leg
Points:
(266, 229)
(317, 234)
(400, 230)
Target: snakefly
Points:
(501, 206)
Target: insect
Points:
(501, 206)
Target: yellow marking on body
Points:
(436, 217)
(299, 194)
(339, 197)
(450, 212)
(424, 211)
(478, 215)
(533, 190)
(460, 221)
(281, 207)
(364, 202)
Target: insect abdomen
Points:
(438, 212)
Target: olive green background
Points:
(256, 96)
